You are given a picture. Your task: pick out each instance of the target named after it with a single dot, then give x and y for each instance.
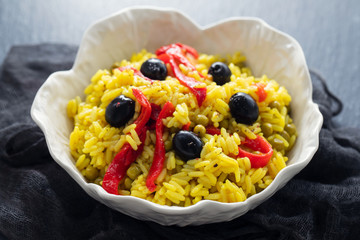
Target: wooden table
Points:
(328, 31)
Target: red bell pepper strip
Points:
(145, 110)
(178, 48)
(188, 49)
(127, 155)
(155, 111)
(186, 127)
(174, 55)
(257, 144)
(136, 72)
(179, 51)
(120, 164)
(213, 130)
(159, 153)
(261, 91)
(174, 48)
(200, 93)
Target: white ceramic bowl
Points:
(118, 36)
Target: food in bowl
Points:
(176, 127)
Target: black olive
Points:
(243, 108)
(154, 68)
(120, 111)
(187, 145)
(220, 72)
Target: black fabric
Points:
(38, 200)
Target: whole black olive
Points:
(187, 145)
(120, 111)
(243, 108)
(220, 72)
(154, 68)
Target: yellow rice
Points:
(216, 175)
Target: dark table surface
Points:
(328, 31)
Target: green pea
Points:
(285, 135)
(275, 104)
(267, 129)
(200, 130)
(168, 145)
(174, 130)
(278, 144)
(91, 173)
(290, 128)
(127, 183)
(115, 65)
(288, 109)
(98, 181)
(133, 171)
(224, 124)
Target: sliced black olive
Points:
(187, 145)
(154, 68)
(120, 111)
(243, 108)
(220, 72)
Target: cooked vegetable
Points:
(120, 111)
(262, 94)
(220, 72)
(275, 104)
(187, 145)
(258, 144)
(290, 128)
(127, 155)
(154, 68)
(243, 108)
(267, 129)
(213, 130)
(174, 55)
(159, 153)
(278, 144)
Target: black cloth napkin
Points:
(38, 200)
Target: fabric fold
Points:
(25, 145)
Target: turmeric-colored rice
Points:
(217, 175)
